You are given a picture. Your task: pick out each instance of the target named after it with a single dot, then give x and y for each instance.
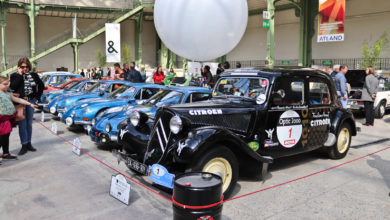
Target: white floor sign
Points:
(120, 188)
(54, 127)
(77, 146)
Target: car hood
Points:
(217, 103)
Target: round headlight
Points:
(108, 127)
(135, 118)
(93, 121)
(72, 113)
(175, 124)
(53, 109)
(69, 121)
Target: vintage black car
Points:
(253, 117)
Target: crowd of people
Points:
(370, 88)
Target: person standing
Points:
(370, 88)
(126, 71)
(28, 86)
(119, 74)
(8, 115)
(159, 76)
(220, 70)
(208, 77)
(341, 86)
(134, 75)
(143, 74)
(336, 69)
(82, 73)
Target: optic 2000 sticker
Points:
(289, 129)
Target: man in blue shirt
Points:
(336, 69)
(341, 85)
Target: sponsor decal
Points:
(305, 123)
(261, 99)
(180, 147)
(206, 217)
(320, 122)
(264, 83)
(205, 112)
(268, 142)
(254, 145)
(291, 107)
(289, 129)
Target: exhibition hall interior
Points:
(194, 109)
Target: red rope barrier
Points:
(222, 201)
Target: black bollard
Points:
(195, 190)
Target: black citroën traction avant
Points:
(253, 117)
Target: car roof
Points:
(275, 72)
(58, 73)
(151, 85)
(190, 89)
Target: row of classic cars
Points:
(250, 118)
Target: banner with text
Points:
(113, 43)
(331, 20)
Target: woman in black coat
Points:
(30, 87)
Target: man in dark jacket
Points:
(134, 75)
(30, 87)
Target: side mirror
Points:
(101, 93)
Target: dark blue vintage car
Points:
(105, 129)
(73, 87)
(83, 112)
(60, 104)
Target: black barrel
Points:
(197, 189)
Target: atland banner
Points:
(331, 20)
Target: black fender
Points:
(343, 116)
(203, 139)
(135, 139)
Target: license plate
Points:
(137, 166)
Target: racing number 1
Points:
(290, 130)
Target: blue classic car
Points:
(105, 129)
(73, 87)
(101, 89)
(83, 112)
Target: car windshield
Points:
(99, 86)
(45, 78)
(122, 92)
(241, 87)
(72, 84)
(165, 97)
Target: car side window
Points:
(288, 91)
(149, 92)
(196, 97)
(319, 92)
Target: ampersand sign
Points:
(111, 48)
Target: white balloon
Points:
(200, 30)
